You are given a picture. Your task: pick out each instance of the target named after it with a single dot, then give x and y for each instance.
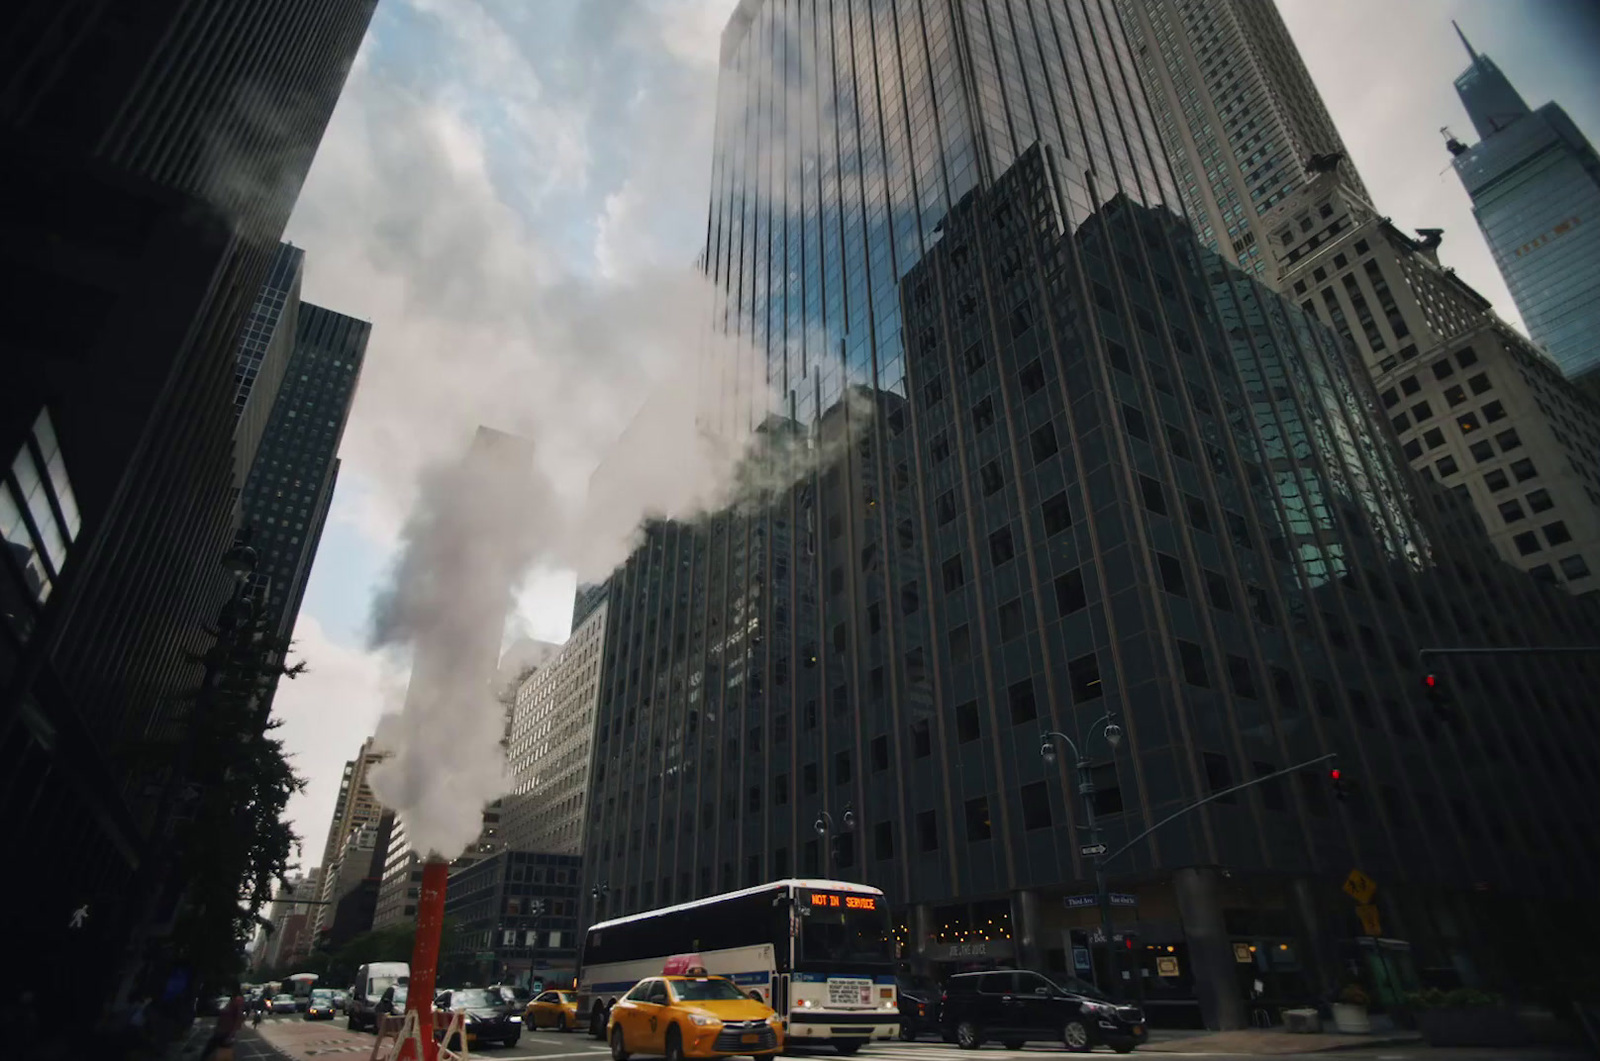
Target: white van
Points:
(372, 980)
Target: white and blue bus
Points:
(819, 952)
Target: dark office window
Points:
(1412, 449)
(1024, 708)
(1217, 591)
(1434, 437)
(1000, 548)
(1482, 451)
(961, 644)
(939, 448)
(1540, 501)
(1556, 533)
(1241, 677)
(1494, 411)
(983, 415)
(841, 637)
(909, 599)
(1043, 442)
(1171, 574)
(780, 790)
(841, 768)
(836, 580)
(753, 799)
(1219, 775)
(927, 830)
(1479, 383)
(874, 618)
(1154, 499)
(883, 841)
(1410, 385)
(975, 358)
(1032, 377)
(1057, 514)
(1496, 480)
(1115, 352)
(968, 726)
(945, 507)
(1133, 420)
(1070, 592)
(1011, 625)
(1446, 467)
(1526, 543)
(1178, 442)
(921, 740)
(1443, 369)
(955, 575)
(1194, 664)
(978, 824)
(992, 477)
(1036, 806)
(916, 666)
(880, 754)
(1508, 440)
(1524, 470)
(933, 391)
(1107, 790)
(808, 779)
(1083, 674)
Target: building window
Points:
(1524, 470)
(1496, 480)
(983, 415)
(1154, 499)
(883, 841)
(1171, 574)
(961, 644)
(1556, 533)
(1447, 466)
(1539, 501)
(968, 725)
(1194, 664)
(1527, 543)
(979, 826)
(945, 507)
(1070, 592)
(1032, 377)
(1574, 566)
(1508, 440)
(1510, 511)
(1493, 412)
(1241, 677)
(842, 769)
(921, 740)
(1000, 546)
(1479, 383)
(1482, 451)
(880, 754)
(1083, 675)
(954, 573)
(1057, 514)
(1219, 775)
(1217, 591)
(1043, 442)
(993, 477)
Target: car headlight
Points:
(704, 1019)
(1101, 1008)
(515, 1019)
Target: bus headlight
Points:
(704, 1019)
(890, 1005)
(805, 1003)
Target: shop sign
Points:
(1167, 965)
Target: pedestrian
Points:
(228, 1024)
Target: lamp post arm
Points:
(1216, 796)
(1070, 742)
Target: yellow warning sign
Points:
(1360, 887)
(1370, 925)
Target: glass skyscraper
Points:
(1067, 464)
(1534, 180)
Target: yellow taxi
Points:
(692, 1015)
(552, 1009)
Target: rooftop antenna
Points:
(1466, 43)
(1454, 146)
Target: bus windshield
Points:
(849, 937)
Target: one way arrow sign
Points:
(1092, 849)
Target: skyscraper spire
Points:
(1466, 43)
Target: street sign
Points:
(1092, 849)
(1078, 902)
(1370, 925)
(1360, 887)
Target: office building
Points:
(290, 938)
(1075, 465)
(265, 344)
(145, 192)
(1319, 239)
(515, 915)
(290, 488)
(1534, 180)
(1238, 116)
(551, 739)
(1473, 403)
(358, 898)
(355, 810)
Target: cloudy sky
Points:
(510, 192)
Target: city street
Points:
(301, 1040)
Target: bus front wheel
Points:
(847, 1047)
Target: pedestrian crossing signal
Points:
(1341, 787)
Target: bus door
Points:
(780, 995)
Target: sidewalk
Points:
(1270, 1041)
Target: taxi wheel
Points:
(674, 1044)
(619, 1052)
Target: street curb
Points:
(1373, 1043)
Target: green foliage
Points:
(1353, 995)
(1460, 998)
(230, 837)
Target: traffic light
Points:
(1438, 700)
(1341, 787)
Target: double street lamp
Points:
(1111, 733)
(824, 826)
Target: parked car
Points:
(490, 1016)
(919, 1007)
(373, 980)
(1018, 1006)
(339, 1000)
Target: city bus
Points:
(819, 952)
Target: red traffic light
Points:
(1333, 774)
(1430, 682)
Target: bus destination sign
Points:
(840, 901)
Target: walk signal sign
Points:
(1360, 887)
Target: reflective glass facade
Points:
(1534, 180)
(1070, 464)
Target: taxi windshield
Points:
(712, 990)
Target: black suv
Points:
(1017, 1006)
(919, 1007)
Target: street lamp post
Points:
(1112, 733)
(598, 893)
(824, 828)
